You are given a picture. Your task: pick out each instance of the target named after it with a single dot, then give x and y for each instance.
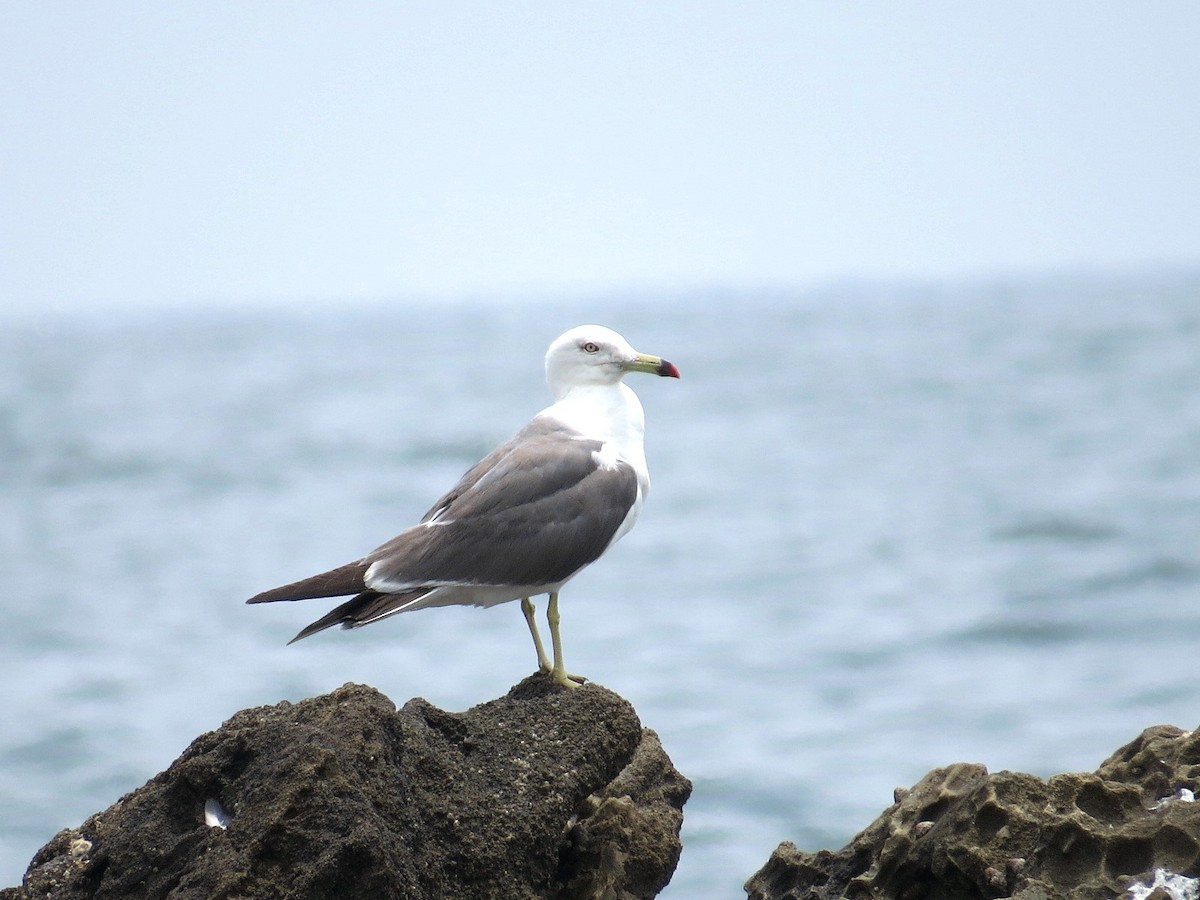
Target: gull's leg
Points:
(527, 609)
(559, 672)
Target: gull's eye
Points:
(591, 347)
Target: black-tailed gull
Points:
(525, 519)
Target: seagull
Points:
(525, 519)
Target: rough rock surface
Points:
(962, 834)
(541, 793)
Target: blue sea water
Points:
(891, 528)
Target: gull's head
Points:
(593, 354)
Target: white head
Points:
(595, 355)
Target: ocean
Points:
(891, 527)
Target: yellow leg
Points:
(543, 660)
(559, 672)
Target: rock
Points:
(541, 793)
(1131, 829)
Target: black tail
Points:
(364, 609)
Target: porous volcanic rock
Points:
(541, 793)
(1130, 829)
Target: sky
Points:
(257, 154)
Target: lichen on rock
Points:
(963, 834)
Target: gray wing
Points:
(535, 511)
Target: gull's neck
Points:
(610, 413)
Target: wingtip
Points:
(270, 596)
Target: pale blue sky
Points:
(184, 153)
